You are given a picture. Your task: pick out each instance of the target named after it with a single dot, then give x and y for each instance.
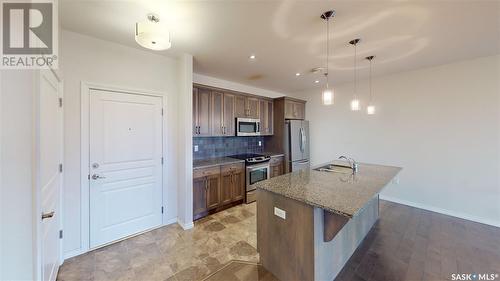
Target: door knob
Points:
(47, 215)
(96, 177)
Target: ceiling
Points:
(289, 37)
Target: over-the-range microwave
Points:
(247, 127)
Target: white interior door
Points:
(50, 156)
(125, 165)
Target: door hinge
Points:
(162, 160)
(162, 111)
(60, 234)
(60, 168)
(60, 102)
(162, 209)
(88, 176)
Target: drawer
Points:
(232, 167)
(276, 160)
(203, 172)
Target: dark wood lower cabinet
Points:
(277, 166)
(217, 188)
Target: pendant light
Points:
(370, 109)
(151, 34)
(328, 94)
(355, 104)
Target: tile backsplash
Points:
(225, 146)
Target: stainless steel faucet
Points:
(352, 163)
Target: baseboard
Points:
(170, 221)
(185, 226)
(441, 211)
(73, 253)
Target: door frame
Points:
(48, 74)
(85, 89)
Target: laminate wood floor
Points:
(414, 244)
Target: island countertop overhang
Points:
(342, 194)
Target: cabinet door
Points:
(199, 195)
(289, 110)
(195, 111)
(253, 105)
(213, 191)
(226, 188)
(238, 187)
(240, 109)
(270, 118)
(204, 112)
(299, 110)
(217, 113)
(264, 122)
(229, 115)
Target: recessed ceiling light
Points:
(317, 81)
(252, 57)
(297, 74)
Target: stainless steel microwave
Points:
(247, 127)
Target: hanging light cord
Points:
(327, 48)
(370, 81)
(355, 72)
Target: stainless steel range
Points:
(257, 169)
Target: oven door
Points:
(247, 127)
(256, 173)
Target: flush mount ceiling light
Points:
(151, 34)
(328, 94)
(252, 57)
(370, 109)
(355, 104)
(297, 74)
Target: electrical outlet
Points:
(195, 148)
(260, 143)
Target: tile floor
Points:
(170, 253)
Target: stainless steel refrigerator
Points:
(296, 145)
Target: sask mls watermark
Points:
(29, 35)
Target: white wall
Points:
(16, 165)
(92, 60)
(440, 124)
(225, 84)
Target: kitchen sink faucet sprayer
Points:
(352, 163)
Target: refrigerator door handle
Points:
(301, 140)
(304, 139)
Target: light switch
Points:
(280, 213)
(195, 148)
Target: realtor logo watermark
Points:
(475, 276)
(29, 35)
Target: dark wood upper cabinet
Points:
(266, 117)
(202, 110)
(217, 114)
(195, 111)
(240, 107)
(253, 107)
(228, 114)
(295, 110)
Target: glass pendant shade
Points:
(328, 97)
(355, 105)
(152, 35)
(370, 110)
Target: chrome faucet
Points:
(352, 163)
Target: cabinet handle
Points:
(199, 131)
(206, 184)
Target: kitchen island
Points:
(310, 222)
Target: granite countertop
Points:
(343, 194)
(206, 163)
